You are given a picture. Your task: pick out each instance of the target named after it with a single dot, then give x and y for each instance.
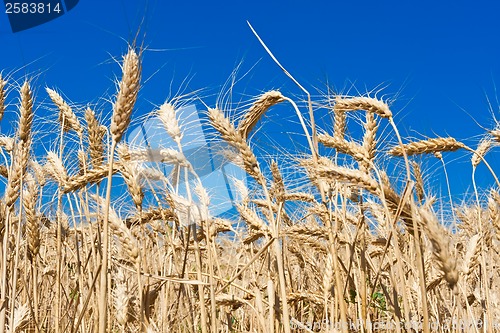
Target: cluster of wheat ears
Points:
(350, 246)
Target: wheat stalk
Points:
(122, 110)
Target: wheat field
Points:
(345, 235)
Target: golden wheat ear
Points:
(23, 146)
(257, 110)
(363, 103)
(440, 240)
(168, 116)
(430, 146)
(484, 146)
(3, 83)
(67, 117)
(342, 146)
(96, 134)
(127, 94)
(26, 113)
(234, 138)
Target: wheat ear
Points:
(483, 147)
(20, 318)
(234, 138)
(430, 146)
(253, 220)
(30, 197)
(419, 181)
(339, 124)
(3, 83)
(96, 134)
(127, 95)
(471, 255)
(151, 215)
(67, 117)
(278, 187)
(327, 169)
(121, 298)
(131, 177)
(363, 103)
(369, 138)
(257, 110)
(4, 172)
(26, 113)
(440, 245)
(343, 146)
(21, 156)
(38, 172)
(93, 176)
(167, 115)
(7, 143)
(55, 169)
(13, 190)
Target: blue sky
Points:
(440, 59)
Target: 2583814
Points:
(32, 8)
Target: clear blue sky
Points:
(440, 58)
